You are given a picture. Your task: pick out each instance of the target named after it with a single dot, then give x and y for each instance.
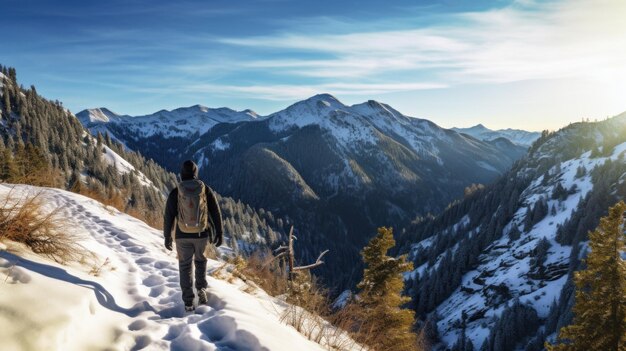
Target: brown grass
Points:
(47, 178)
(262, 268)
(45, 232)
(311, 314)
(310, 310)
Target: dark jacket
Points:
(171, 211)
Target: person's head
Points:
(189, 170)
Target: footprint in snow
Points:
(144, 260)
(141, 342)
(153, 280)
(162, 264)
(157, 291)
(137, 250)
(174, 331)
(138, 325)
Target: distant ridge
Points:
(516, 136)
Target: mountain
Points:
(123, 293)
(42, 143)
(183, 122)
(497, 266)
(336, 171)
(516, 136)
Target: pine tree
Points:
(75, 184)
(600, 308)
(6, 101)
(386, 324)
(8, 169)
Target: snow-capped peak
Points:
(321, 103)
(180, 122)
(97, 115)
(516, 136)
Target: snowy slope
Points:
(506, 270)
(508, 263)
(135, 301)
(181, 122)
(361, 123)
(517, 136)
(122, 166)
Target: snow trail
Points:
(136, 291)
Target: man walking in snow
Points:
(193, 209)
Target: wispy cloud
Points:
(146, 55)
(282, 92)
(524, 41)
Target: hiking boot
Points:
(202, 297)
(189, 308)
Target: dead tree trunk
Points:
(288, 252)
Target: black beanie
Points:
(189, 170)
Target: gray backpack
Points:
(193, 216)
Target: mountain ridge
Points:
(337, 171)
(517, 136)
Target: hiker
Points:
(193, 208)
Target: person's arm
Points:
(216, 216)
(171, 209)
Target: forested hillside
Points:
(42, 143)
(494, 270)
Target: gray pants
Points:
(191, 250)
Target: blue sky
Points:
(522, 64)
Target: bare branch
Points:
(281, 247)
(318, 262)
(282, 254)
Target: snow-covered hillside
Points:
(508, 262)
(134, 300)
(516, 136)
(505, 254)
(181, 122)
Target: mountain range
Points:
(516, 136)
(337, 171)
(495, 229)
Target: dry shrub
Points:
(49, 178)
(309, 310)
(211, 252)
(45, 232)
(262, 268)
(311, 314)
(353, 320)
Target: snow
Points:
(123, 166)
(342, 300)
(516, 136)
(220, 145)
(361, 124)
(117, 161)
(509, 263)
(135, 300)
(181, 122)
